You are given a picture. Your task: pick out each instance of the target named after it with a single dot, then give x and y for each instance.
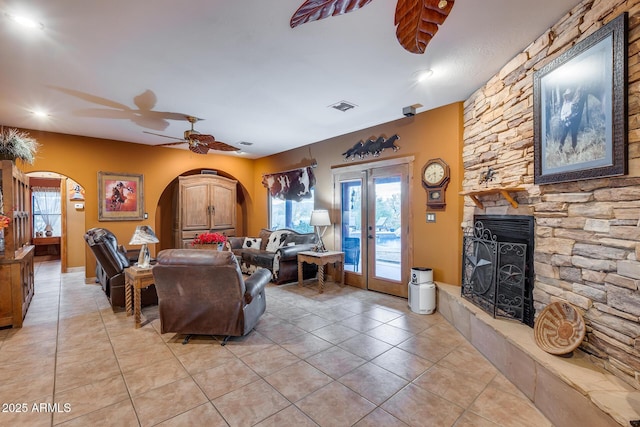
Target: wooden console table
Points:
(47, 246)
(321, 259)
(135, 279)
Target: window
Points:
(46, 210)
(291, 214)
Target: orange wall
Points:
(435, 133)
(81, 158)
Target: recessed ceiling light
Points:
(25, 21)
(423, 75)
(40, 113)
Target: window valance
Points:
(295, 184)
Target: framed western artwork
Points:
(120, 197)
(580, 109)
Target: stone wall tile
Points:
(623, 299)
(622, 281)
(629, 269)
(624, 326)
(597, 225)
(594, 264)
(598, 251)
(593, 294)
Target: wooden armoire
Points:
(203, 203)
(16, 261)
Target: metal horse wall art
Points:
(371, 147)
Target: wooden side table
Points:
(135, 279)
(321, 259)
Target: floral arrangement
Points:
(4, 221)
(209, 239)
(16, 144)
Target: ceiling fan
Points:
(417, 21)
(198, 142)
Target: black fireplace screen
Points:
(494, 273)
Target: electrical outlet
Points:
(431, 217)
(146, 215)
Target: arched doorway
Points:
(57, 219)
(165, 212)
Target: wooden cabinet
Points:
(16, 262)
(204, 203)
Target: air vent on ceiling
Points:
(245, 143)
(343, 106)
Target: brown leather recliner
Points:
(202, 292)
(112, 259)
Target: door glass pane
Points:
(388, 197)
(351, 224)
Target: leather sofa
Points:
(111, 260)
(277, 251)
(202, 292)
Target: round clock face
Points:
(433, 173)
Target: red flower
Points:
(209, 239)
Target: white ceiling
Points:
(113, 69)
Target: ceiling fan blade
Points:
(221, 146)
(164, 136)
(211, 143)
(199, 148)
(314, 10)
(168, 144)
(417, 22)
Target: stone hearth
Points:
(569, 391)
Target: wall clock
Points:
(435, 178)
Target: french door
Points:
(373, 201)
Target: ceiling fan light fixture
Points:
(442, 4)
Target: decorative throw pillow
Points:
(251, 242)
(276, 240)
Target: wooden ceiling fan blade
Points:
(199, 148)
(417, 22)
(164, 136)
(221, 146)
(168, 144)
(314, 10)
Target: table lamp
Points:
(143, 236)
(320, 220)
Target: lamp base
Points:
(144, 258)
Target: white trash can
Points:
(422, 291)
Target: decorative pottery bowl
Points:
(559, 329)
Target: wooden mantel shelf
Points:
(505, 191)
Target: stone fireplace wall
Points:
(587, 233)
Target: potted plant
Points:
(17, 144)
(209, 240)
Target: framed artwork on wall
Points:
(580, 109)
(120, 197)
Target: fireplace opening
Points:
(497, 266)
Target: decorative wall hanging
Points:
(120, 197)
(294, 184)
(580, 109)
(371, 147)
(416, 21)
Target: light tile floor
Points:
(345, 357)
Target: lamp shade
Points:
(320, 218)
(143, 235)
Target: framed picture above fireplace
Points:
(580, 109)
